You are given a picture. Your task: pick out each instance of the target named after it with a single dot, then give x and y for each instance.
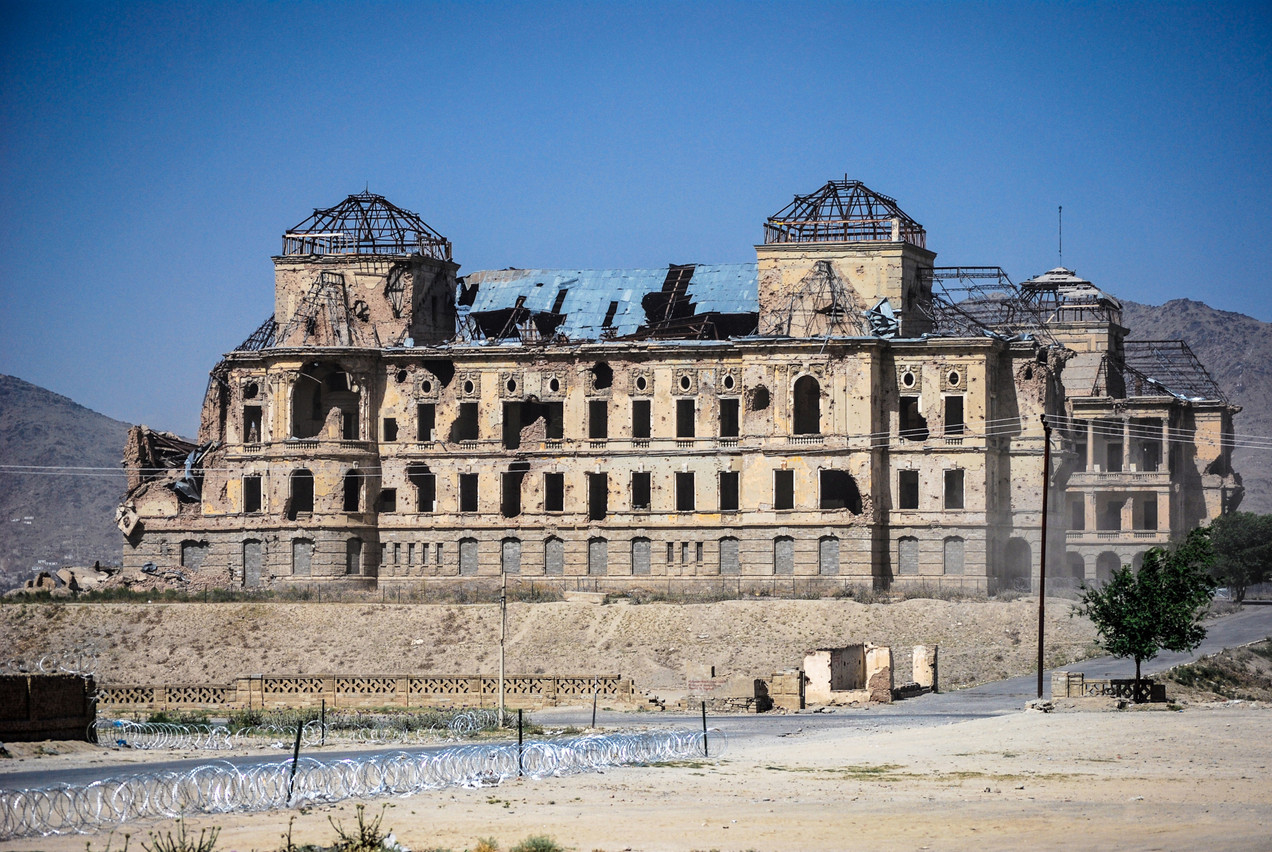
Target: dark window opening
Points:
(554, 492)
(302, 493)
(602, 375)
(1077, 515)
(954, 415)
(465, 426)
(251, 423)
(684, 492)
(729, 418)
(807, 406)
(908, 486)
(954, 489)
(839, 491)
(608, 322)
(251, 494)
(554, 420)
(598, 419)
(352, 491)
(728, 491)
(640, 489)
(757, 399)
(510, 492)
(1148, 514)
(512, 425)
(390, 429)
(426, 415)
(783, 489)
(468, 492)
(353, 556)
(349, 425)
(1113, 454)
(388, 500)
(597, 496)
(913, 424)
(640, 418)
(425, 488)
(1111, 517)
(685, 416)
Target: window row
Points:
(952, 493)
(836, 490)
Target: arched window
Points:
(1077, 568)
(193, 553)
(510, 556)
(807, 420)
(352, 490)
(554, 557)
(1019, 562)
(302, 556)
(828, 556)
(353, 556)
(253, 556)
(640, 556)
(597, 556)
(783, 555)
(729, 562)
(301, 493)
(907, 555)
(954, 553)
(467, 557)
(1105, 564)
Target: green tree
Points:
(1243, 551)
(1138, 613)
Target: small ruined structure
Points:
(841, 409)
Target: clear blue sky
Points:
(153, 154)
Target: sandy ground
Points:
(650, 643)
(1135, 779)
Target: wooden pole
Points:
(1042, 559)
(503, 635)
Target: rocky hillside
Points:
(1237, 350)
(62, 517)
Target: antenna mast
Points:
(1060, 215)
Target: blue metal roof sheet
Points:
(727, 288)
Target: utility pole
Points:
(1042, 559)
(503, 634)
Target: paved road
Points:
(992, 699)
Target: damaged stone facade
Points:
(807, 416)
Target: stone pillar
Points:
(925, 666)
(879, 673)
(1126, 443)
(1090, 444)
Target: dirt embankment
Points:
(651, 643)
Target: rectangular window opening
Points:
(554, 492)
(640, 418)
(783, 490)
(468, 492)
(908, 486)
(640, 489)
(426, 421)
(388, 500)
(729, 409)
(953, 415)
(684, 492)
(251, 494)
(728, 491)
(597, 496)
(954, 489)
(251, 423)
(390, 429)
(598, 419)
(685, 416)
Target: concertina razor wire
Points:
(221, 787)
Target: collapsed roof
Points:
(365, 223)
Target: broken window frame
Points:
(553, 491)
(907, 489)
(641, 419)
(426, 422)
(686, 418)
(730, 417)
(729, 490)
(642, 490)
(253, 494)
(598, 419)
(955, 417)
(686, 498)
(783, 490)
(469, 493)
(955, 485)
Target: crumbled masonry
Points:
(841, 411)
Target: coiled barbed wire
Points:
(222, 787)
(343, 729)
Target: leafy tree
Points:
(1243, 551)
(1161, 606)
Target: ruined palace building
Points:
(842, 408)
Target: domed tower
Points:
(829, 257)
(364, 273)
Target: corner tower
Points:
(364, 273)
(830, 258)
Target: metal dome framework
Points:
(365, 223)
(843, 211)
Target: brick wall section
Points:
(45, 707)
